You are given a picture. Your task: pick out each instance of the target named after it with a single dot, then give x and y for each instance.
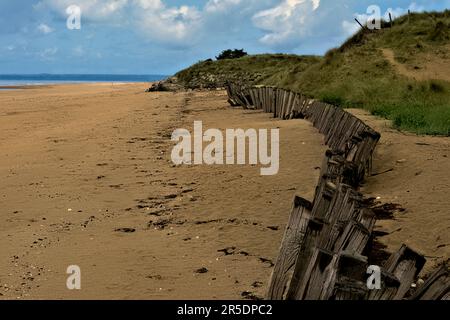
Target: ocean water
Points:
(41, 79)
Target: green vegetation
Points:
(232, 54)
(249, 69)
(358, 74)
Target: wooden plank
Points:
(343, 205)
(297, 285)
(340, 114)
(364, 155)
(238, 95)
(340, 207)
(246, 97)
(349, 281)
(318, 110)
(283, 104)
(323, 202)
(271, 100)
(336, 138)
(405, 264)
(296, 112)
(257, 101)
(276, 102)
(354, 238)
(351, 125)
(281, 94)
(319, 269)
(324, 129)
(346, 278)
(292, 107)
(436, 287)
(389, 287)
(287, 109)
(262, 97)
(322, 117)
(304, 105)
(325, 118)
(260, 93)
(266, 100)
(290, 248)
(309, 109)
(251, 93)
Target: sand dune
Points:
(431, 66)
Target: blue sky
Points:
(161, 37)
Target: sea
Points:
(43, 79)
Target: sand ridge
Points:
(430, 66)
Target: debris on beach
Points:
(201, 270)
(125, 230)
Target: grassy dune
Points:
(412, 88)
(358, 74)
(254, 69)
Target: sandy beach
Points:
(87, 180)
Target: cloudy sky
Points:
(162, 36)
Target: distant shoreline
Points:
(11, 81)
(44, 85)
(16, 87)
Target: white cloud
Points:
(150, 4)
(316, 4)
(90, 9)
(290, 21)
(171, 25)
(45, 29)
(220, 5)
(175, 25)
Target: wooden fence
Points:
(323, 255)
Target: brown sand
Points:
(427, 66)
(81, 161)
(412, 171)
(104, 153)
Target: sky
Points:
(162, 37)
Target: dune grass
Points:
(253, 69)
(357, 74)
